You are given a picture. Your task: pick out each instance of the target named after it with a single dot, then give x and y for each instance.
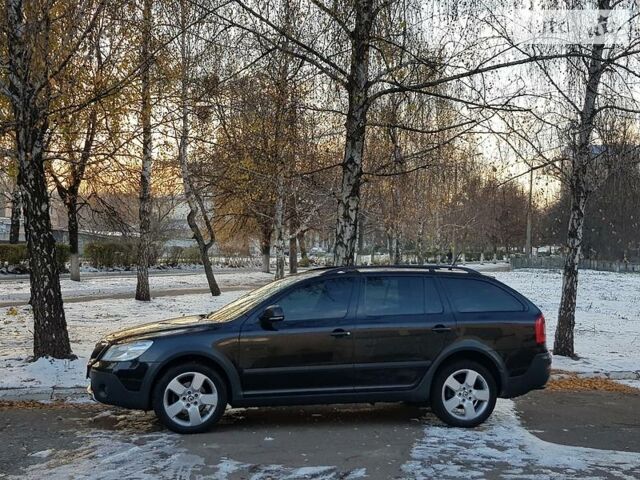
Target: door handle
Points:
(441, 328)
(339, 332)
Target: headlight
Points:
(126, 351)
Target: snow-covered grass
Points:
(607, 320)
(87, 322)
(17, 290)
(503, 448)
(607, 331)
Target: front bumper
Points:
(124, 384)
(534, 378)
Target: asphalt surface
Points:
(383, 441)
(604, 420)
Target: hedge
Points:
(118, 254)
(110, 254)
(16, 254)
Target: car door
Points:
(310, 350)
(402, 326)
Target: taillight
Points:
(541, 335)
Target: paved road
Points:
(171, 292)
(385, 441)
(132, 273)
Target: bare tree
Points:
(33, 62)
(197, 208)
(144, 244)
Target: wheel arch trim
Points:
(213, 358)
(457, 349)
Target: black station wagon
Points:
(448, 337)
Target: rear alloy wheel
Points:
(464, 394)
(189, 398)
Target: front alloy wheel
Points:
(189, 398)
(464, 394)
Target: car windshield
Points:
(250, 300)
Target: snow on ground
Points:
(503, 448)
(18, 289)
(607, 320)
(88, 322)
(607, 332)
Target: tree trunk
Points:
(528, 246)
(279, 227)
(420, 243)
(293, 247)
(581, 156)
(50, 336)
(142, 287)
(208, 269)
(193, 197)
(349, 199)
(72, 216)
(302, 243)
(265, 248)
(14, 232)
(563, 344)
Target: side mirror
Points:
(272, 314)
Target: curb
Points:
(50, 394)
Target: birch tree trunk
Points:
(279, 227)
(194, 200)
(16, 205)
(142, 287)
(50, 336)
(293, 246)
(69, 193)
(528, 245)
(302, 243)
(349, 199)
(579, 190)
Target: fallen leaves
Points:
(572, 382)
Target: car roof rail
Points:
(432, 268)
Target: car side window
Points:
(432, 302)
(468, 295)
(389, 295)
(318, 300)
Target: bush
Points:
(63, 252)
(174, 255)
(111, 254)
(13, 254)
(191, 255)
(304, 262)
(16, 254)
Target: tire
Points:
(184, 409)
(469, 405)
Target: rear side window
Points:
(389, 295)
(469, 295)
(318, 301)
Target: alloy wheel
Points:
(190, 399)
(465, 394)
